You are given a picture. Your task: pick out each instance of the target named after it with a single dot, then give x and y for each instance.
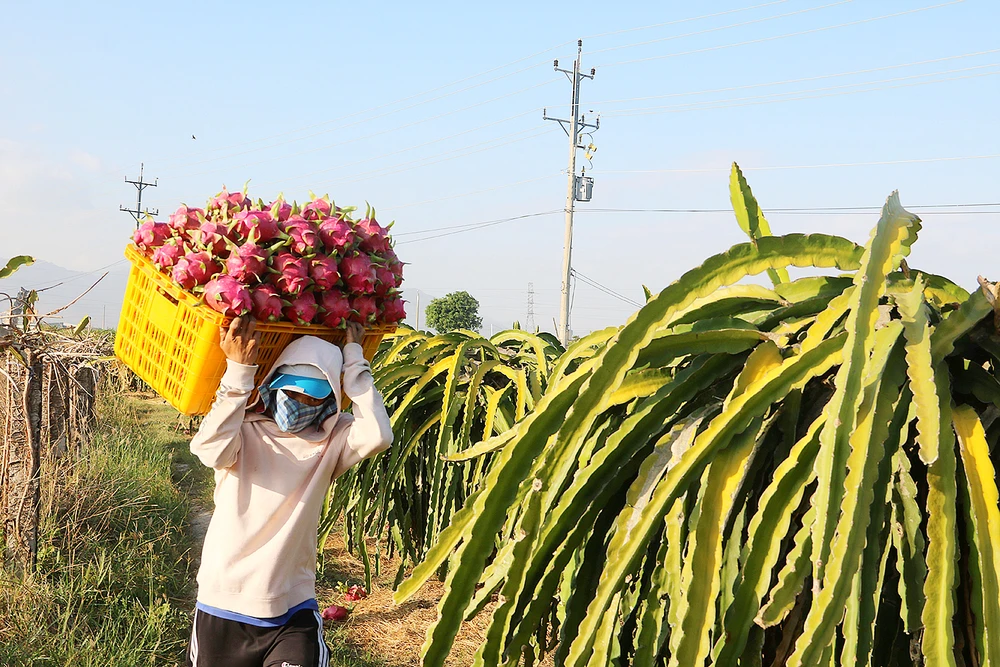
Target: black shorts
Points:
(217, 642)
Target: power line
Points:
(687, 20)
(798, 80)
(460, 229)
(784, 36)
(723, 27)
(467, 194)
(607, 290)
(773, 98)
(799, 166)
(800, 209)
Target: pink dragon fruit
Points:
(292, 273)
(212, 236)
(228, 296)
(392, 311)
(267, 303)
(248, 263)
(227, 203)
(280, 209)
(302, 309)
(337, 235)
(152, 234)
(303, 235)
(186, 218)
(355, 593)
(195, 268)
(320, 208)
(385, 280)
(167, 254)
(394, 265)
(374, 237)
(335, 309)
(364, 309)
(255, 226)
(358, 274)
(335, 613)
(324, 272)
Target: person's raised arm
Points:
(217, 442)
(371, 431)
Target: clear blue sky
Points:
(354, 100)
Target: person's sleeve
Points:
(371, 430)
(218, 440)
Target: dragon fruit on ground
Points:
(335, 613)
(248, 263)
(355, 593)
(255, 226)
(194, 269)
(358, 274)
(335, 309)
(292, 273)
(152, 234)
(167, 254)
(302, 309)
(228, 296)
(364, 308)
(267, 303)
(323, 270)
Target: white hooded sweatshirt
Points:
(259, 557)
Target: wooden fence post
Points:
(33, 426)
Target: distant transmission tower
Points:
(530, 322)
(140, 185)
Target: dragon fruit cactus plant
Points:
(282, 262)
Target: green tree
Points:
(458, 310)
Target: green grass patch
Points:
(113, 585)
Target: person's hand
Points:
(239, 341)
(355, 332)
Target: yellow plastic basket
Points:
(171, 339)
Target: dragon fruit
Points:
(320, 208)
(303, 235)
(302, 309)
(228, 296)
(392, 311)
(267, 303)
(358, 274)
(385, 280)
(186, 218)
(212, 236)
(364, 309)
(195, 268)
(152, 234)
(374, 237)
(255, 226)
(248, 263)
(280, 209)
(336, 309)
(323, 270)
(227, 203)
(337, 235)
(292, 273)
(355, 593)
(335, 613)
(167, 254)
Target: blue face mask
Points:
(290, 415)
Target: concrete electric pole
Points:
(140, 185)
(578, 188)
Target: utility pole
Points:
(530, 322)
(575, 187)
(140, 185)
(418, 311)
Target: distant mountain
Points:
(58, 286)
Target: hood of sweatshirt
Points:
(325, 356)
